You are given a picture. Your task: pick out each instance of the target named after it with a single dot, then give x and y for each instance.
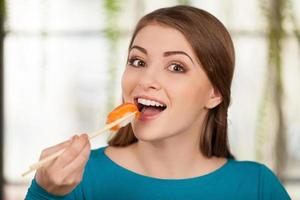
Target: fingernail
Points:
(74, 137)
(84, 135)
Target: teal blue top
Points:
(105, 180)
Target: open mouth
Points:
(149, 108)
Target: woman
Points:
(179, 71)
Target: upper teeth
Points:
(149, 102)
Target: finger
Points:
(50, 150)
(79, 162)
(72, 151)
(75, 174)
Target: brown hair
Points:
(214, 48)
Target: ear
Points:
(214, 99)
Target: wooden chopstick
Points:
(92, 135)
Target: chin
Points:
(146, 136)
(151, 136)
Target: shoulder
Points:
(97, 158)
(253, 169)
(109, 156)
(246, 167)
(99, 167)
(255, 173)
(97, 154)
(105, 161)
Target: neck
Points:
(176, 157)
(171, 159)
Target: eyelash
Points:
(134, 59)
(131, 62)
(182, 68)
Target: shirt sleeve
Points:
(36, 192)
(270, 186)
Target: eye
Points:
(175, 67)
(136, 62)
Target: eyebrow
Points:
(167, 53)
(139, 48)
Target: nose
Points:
(149, 80)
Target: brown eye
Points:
(176, 68)
(135, 62)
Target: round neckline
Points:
(209, 175)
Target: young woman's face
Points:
(162, 67)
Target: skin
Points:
(65, 173)
(162, 65)
(168, 146)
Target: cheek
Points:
(188, 102)
(190, 94)
(128, 83)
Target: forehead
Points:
(157, 37)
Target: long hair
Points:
(214, 48)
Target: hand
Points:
(62, 175)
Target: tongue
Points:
(150, 111)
